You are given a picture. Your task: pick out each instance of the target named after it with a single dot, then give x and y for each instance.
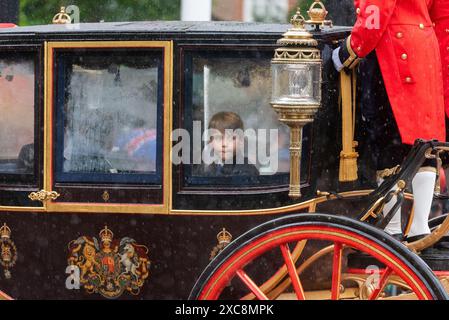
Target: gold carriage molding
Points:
(63, 195)
(109, 267)
(43, 196)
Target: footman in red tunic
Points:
(395, 45)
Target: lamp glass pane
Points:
(296, 83)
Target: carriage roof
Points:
(163, 29)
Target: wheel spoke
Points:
(382, 283)
(336, 271)
(251, 285)
(292, 272)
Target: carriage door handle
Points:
(43, 195)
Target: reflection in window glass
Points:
(110, 116)
(17, 116)
(240, 86)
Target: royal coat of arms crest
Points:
(109, 267)
(8, 250)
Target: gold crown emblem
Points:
(62, 17)
(106, 234)
(5, 231)
(317, 12)
(224, 237)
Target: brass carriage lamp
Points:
(296, 96)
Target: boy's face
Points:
(225, 144)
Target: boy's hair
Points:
(225, 120)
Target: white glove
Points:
(336, 59)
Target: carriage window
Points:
(231, 93)
(110, 117)
(17, 98)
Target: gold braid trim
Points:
(353, 59)
(382, 174)
(348, 156)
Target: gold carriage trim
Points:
(382, 174)
(43, 195)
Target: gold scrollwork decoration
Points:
(295, 55)
(43, 195)
(388, 172)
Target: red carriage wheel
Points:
(341, 232)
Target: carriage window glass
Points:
(110, 117)
(235, 93)
(17, 98)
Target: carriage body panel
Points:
(171, 209)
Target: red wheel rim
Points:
(234, 264)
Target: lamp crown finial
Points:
(298, 19)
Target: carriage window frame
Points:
(33, 179)
(159, 190)
(141, 178)
(200, 184)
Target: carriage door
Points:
(20, 122)
(108, 129)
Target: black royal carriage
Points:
(174, 210)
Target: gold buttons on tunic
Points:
(399, 35)
(404, 56)
(408, 79)
(358, 11)
(421, 26)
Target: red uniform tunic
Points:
(440, 16)
(406, 45)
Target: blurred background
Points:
(34, 12)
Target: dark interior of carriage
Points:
(18, 122)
